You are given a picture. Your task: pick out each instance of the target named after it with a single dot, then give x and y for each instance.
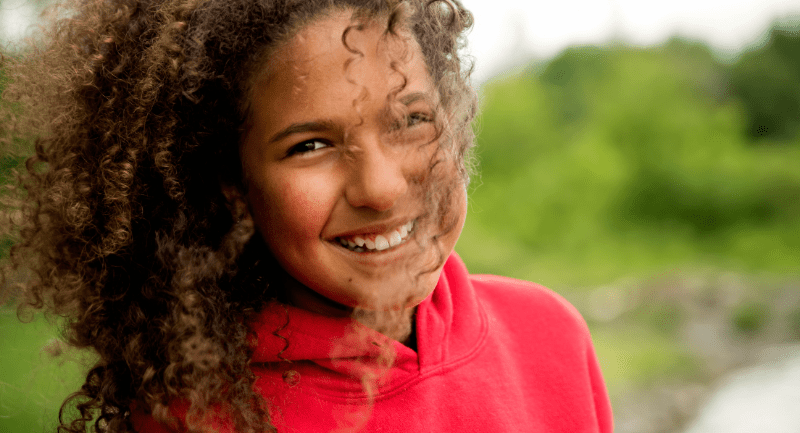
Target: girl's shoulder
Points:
(517, 303)
(523, 304)
(507, 290)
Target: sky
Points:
(510, 32)
(15, 16)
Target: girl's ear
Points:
(236, 203)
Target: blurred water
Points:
(764, 399)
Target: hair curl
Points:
(120, 217)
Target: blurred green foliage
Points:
(767, 80)
(750, 317)
(610, 162)
(627, 162)
(33, 382)
(633, 355)
(794, 323)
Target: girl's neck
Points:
(396, 324)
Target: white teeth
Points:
(395, 238)
(381, 243)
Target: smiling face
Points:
(338, 168)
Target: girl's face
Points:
(334, 185)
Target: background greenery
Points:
(617, 176)
(596, 167)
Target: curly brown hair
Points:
(120, 219)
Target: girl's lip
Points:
(373, 230)
(371, 259)
(381, 242)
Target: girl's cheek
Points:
(304, 204)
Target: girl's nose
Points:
(378, 179)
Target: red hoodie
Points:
(493, 355)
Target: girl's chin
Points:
(403, 297)
(396, 296)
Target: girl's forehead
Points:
(321, 77)
(335, 42)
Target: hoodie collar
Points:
(449, 324)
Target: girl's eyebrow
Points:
(406, 100)
(296, 128)
(328, 124)
(413, 97)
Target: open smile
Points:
(378, 242)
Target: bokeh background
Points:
(641, 159)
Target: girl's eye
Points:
(307, 146)
(417, 118)
(412, 120)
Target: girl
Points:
(248, 208)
